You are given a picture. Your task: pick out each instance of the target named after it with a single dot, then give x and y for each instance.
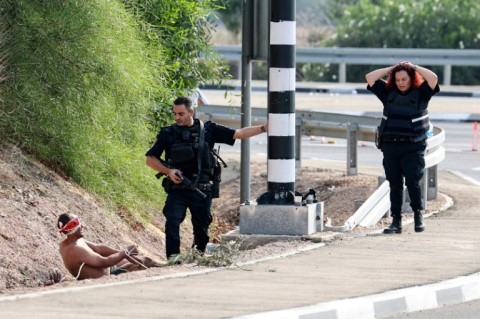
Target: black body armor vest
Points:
(402, 118)
(184, 152)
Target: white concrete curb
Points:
(454, 291)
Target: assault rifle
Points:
(186, 182)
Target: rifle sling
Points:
(201, 147)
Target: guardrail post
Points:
(432, 183)
(352, 167)
(447, 74)
(424, 186)
(342, 73)
(423, 189)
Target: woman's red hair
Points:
(415, 77)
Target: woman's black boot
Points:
(418, 219)
(395, 227)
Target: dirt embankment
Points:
(31, 199)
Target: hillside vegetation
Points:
(84, 88)
(87, 87)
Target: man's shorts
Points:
(115, 270)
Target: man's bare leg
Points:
(140, 263)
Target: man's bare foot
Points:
(149, 262)
(54, 276)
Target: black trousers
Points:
(175, 211)
(404, 161)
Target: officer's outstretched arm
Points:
(246, 132)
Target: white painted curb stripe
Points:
(387, 304)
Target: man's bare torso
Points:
(73, 252)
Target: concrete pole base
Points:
(278, 219)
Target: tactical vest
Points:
(401, 116)
(184, 152)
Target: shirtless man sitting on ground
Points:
(85, 260)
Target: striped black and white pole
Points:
(281, 102)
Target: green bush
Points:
(419, 24)
(446, 24)
(82, 80)
(184, 29)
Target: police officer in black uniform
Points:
(189, 155)
(403, 133)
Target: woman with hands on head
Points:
(403, 133)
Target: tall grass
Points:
(3, 53)
(81, 81)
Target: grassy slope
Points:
(81, 83)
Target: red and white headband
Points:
(70, 227)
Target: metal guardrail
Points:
(352, 128)
(468, 57)
(374, 56)
(315, 123)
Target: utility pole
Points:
(281, 104)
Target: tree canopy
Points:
(447, 24)
(430, 24)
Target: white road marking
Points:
(467, 178)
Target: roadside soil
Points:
(338, 191)
(32, 197)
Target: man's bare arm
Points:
(93, 259)
(101, 249)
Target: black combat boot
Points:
(418, 219)
(395, 227)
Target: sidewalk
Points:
(323, 279)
